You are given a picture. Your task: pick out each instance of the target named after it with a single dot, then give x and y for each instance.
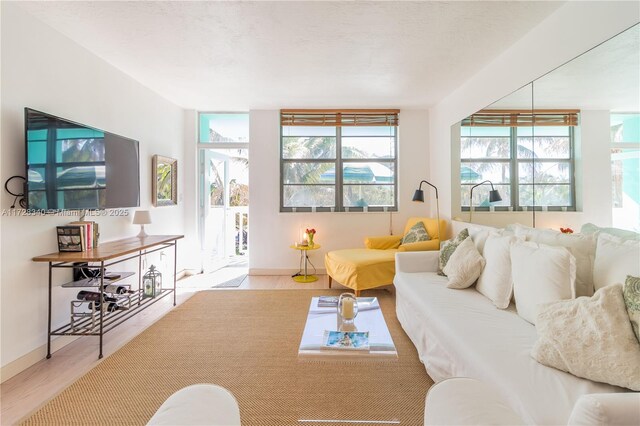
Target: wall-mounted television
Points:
(71, 166)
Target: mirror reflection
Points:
(562, 151)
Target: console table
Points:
(106, 255)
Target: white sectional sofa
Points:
(460, 333)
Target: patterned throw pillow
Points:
(449, 246)
(416, 233)
(631, 295)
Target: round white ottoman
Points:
(201, 404)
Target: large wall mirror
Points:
(561, 151)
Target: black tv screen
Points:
(71, 166)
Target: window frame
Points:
(514, 175)
(339, 184)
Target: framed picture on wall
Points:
(164, 181)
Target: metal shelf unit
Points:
(106, 255)
(95, 282)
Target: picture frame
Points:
(164, 181)
(69, 238)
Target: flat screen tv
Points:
(71, 166)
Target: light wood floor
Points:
(29, 390)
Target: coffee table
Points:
(369, 319)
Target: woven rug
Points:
(247, 342)
(234, 282)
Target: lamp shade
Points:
(494, 196)
(418, 196)
(141, 217)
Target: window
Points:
(625, 168)
(223, 127)
(360, 145)
(530, 166)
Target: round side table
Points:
(302, 276)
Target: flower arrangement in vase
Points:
(310, 234)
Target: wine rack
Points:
(87, 319)
(86, 324)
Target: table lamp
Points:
(418, 196)
(142, 218)
(494, 196)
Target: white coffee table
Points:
(369, 319)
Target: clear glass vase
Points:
(347, 307)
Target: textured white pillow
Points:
(540, 274)
(582, 247)
(590, 338)
(615, 259)
(495, 282)
(464, 265)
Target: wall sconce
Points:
(418, 196)
(494, 196)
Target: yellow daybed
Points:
(374, 266)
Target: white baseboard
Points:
(19, 365)
(274, 271)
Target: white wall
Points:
(573, 29)
(271, 232)
(43, 69)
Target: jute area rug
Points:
(246, 341)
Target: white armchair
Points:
(201, 404)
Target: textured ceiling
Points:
(252, 55)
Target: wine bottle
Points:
(94, 296)
(110, 307)
(117, 289)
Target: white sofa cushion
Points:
(611, 409)
(464, 265)
(615, 259)
(462, 334)
(495, 282)
(583, 249)
(541, 274)
(479, 237)
(590, 338)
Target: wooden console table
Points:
(108, 254)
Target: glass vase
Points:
(347, 307)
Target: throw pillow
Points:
(632, 301)
(495, 282)
(615, 259)
(590, 338)
(582, 247)
(590, 228)
(540, 274)
(464, 265)
(449, 246)
(479, 237)
(416, 233)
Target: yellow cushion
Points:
(361, 269)
(421, 246)
(430, 224)
(383, 243)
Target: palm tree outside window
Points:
(519, 160)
